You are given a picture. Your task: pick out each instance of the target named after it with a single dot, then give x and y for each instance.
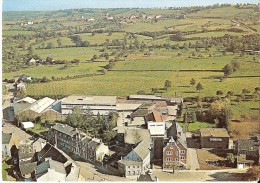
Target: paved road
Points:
(212, 175)
(90, 173)
(7, 107)
(192, 159)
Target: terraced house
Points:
(73, 140)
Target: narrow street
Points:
(90, 173)
(192, 159)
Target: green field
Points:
(81, 53)
(57, 70)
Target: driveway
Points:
(192, 159)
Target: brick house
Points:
(214, 138)
(174, 154)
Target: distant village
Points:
(147, 135)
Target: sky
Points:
(38, 5)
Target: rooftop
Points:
(135, 135)
(64, 128)
(248, 145)
(145, 97)
(90, 100)
(43, 167)
(26, 100)
(127, 106)
(27, 168)
(129, 162)
(142, 149)
(41, 104)
(214, 132)
(154, 116)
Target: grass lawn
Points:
(4, 172)
(101, 38)
(38, 128)
(197, 125)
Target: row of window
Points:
(176, 153)
(176, 159)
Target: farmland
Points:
(137, 53)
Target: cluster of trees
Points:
(198, 87)
(231, 68)
(99, 126)
(79, 42)
(219, 113)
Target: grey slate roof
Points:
(6, 137)
(27, 168)
(177, 133)
(94, 144)
(42, 168)
(50, 151)
(146, 177)
(63, 128)
(142, 149)
(129, 162)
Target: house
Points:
(72, 140)
(124, 111)
(243, 162)
(23, 77)
(174, 155)
(154, 117)
(20, 87)
(142, 154)
(129, 168)
(21, 104)
(53, 112)
(133, 136)
(29, 23)
(31, 61)
(214, 138)
(26, 125)
(97, 150)
(137, 118)
(25, 160)
(96, 104)
(50, 170)
(91, 20)
(6, 144)
(157, 129)
(248, 148)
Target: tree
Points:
(141, 92)
(228, 69)
(59, 42)
(154, 90)
(167, 84)
(108, 135)
(219, 92)
(49, 45)
(192, 82)
(221, 112)
(199, 87)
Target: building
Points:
(147, 178)
(21, 104)
(248, 149)
(141, 155)
(214, 138)
(174, 155)
(23, 77)
(46, 108)
(102, 105)
(6, 144)
(25, 161)
(129, 168)
(72, 140)
(26, 125)
(50, 170)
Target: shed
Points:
(26, 125)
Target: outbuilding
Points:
(26, 125)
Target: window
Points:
(129, 173)
(168, 153)
(168, 159)
(176, 159)
(182, 151)
(176, 153)
(133, 166)
(182, 157)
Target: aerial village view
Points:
(133, 90)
